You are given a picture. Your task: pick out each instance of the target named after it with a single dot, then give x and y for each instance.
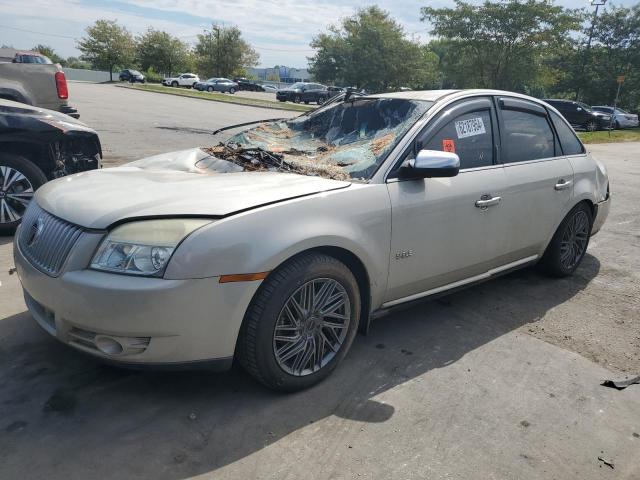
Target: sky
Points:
(280, 31)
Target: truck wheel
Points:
(300, 323)
(19, 179)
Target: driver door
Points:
(440, 234)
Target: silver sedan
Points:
(277, 246)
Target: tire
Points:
(257, 342)
(554, 262)
(232, 90)
(297, 99)
(174, 84)
(617, 125)
(591, 126)
(210, 89)
(12, 206)
(321, 100)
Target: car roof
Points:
(438, 95)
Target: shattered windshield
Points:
(346, 141)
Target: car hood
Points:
(16, 116)
(189, 182)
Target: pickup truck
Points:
(31, 78)
(184, 80)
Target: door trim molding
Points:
(463, 282)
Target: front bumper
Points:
(138, 321)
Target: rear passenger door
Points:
(539, 179)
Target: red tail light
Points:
(61, 85)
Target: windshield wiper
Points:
(229, 127)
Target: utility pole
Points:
(585, 56)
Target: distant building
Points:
(281, 74)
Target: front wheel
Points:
(232, 90)
(19, 179)
(591, 126)
(210, 89)
(301, 323)
(297, 99)
(174, 84)
(569, 244)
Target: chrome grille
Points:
(46, 240)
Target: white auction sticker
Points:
(470, 127)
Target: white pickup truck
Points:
(184, 80)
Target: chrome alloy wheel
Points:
(16, 192)
(574, 240)
(312, 326)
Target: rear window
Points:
(568, 139)
(526, 137)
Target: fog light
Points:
(108, 345)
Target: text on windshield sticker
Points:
(470, 127)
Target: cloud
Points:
(280, 31)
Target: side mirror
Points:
(431, 164)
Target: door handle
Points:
(487, 201)
(562, 184)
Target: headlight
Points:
(143, 247)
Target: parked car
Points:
(269, 88)
(183, 80)
(31, 57)
(580, 115)
(217, 85)
(621, 118)
(132, 76)
(333, 91)
(246, 84)
(276, 247)
(37, 145)
(304, 92)
(39, 82)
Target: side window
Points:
(526, 136)
(568, 140)
(470, 136)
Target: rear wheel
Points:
(591, 126)
(19, 179)
(232, 90)
(569, 244)
(297, 99)
(301, 323)
(210, 89)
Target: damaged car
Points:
(275, 247)
(37, 145)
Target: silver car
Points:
(277, 246)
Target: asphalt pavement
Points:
(499, 381)
(133, 124)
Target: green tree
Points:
(371, 50)
(222, 52)
(499, 44)
(161, 52)
(48, 51)
(107, 46)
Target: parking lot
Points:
(501, 380)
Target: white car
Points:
(269, 88)
(277, 246)
(184, 80)
(621, 119)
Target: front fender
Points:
(357, 219)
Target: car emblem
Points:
(36, 230)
